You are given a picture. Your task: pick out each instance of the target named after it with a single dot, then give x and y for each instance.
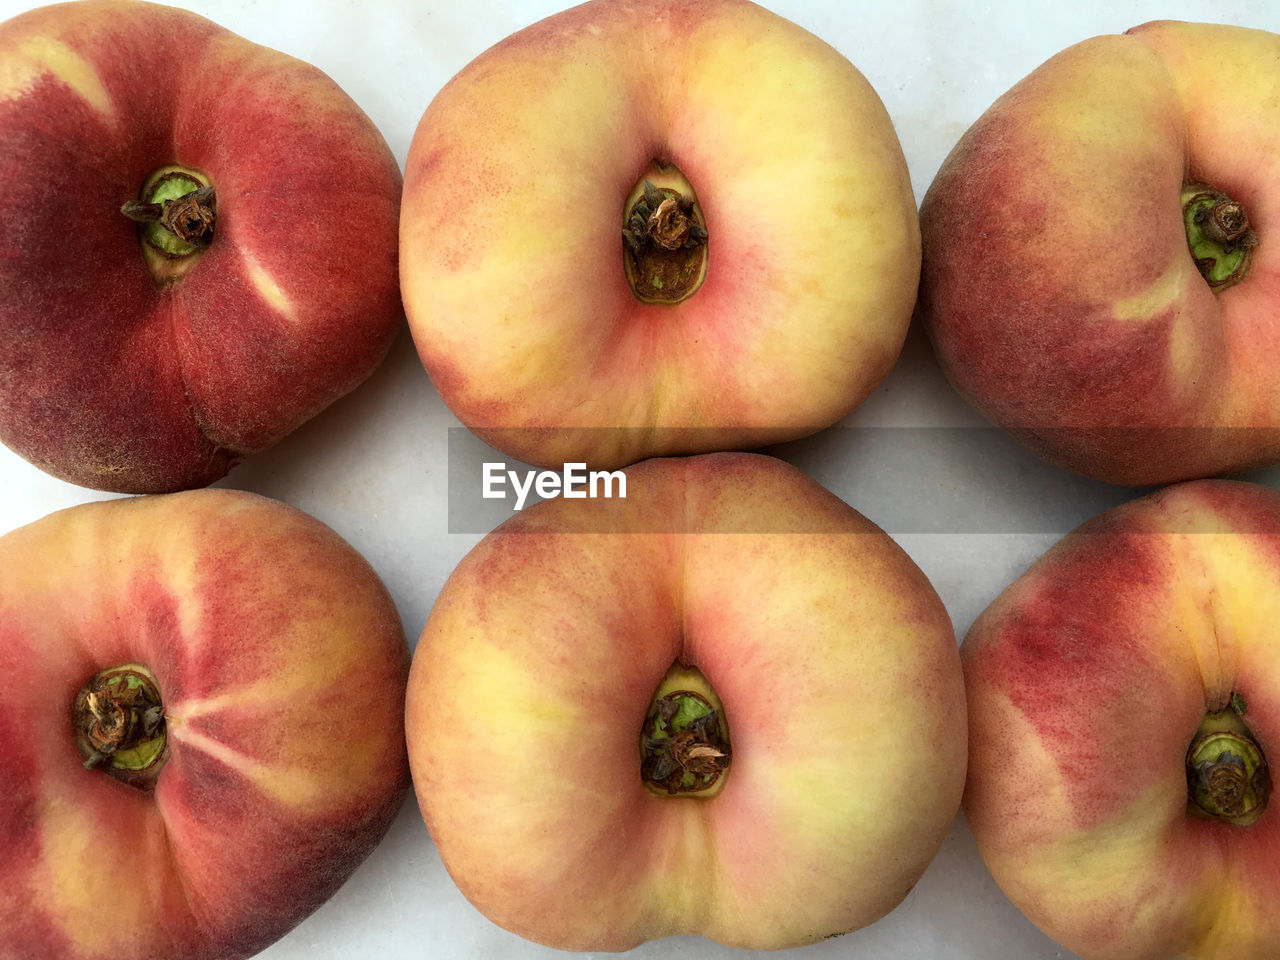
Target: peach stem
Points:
(685, 749)
(1219, 235)
(186, 210)
(664, 243)
(1227, 775)
(118, 723)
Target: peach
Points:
(728, 705)
(1071, 285)
(1124, 701)
(537, 281)
(201, 726)
(140, 359)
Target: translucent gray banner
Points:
(908, 480)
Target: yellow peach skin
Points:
(1088, 680)
(511, 234)
(1059, 287)
(280, 663)
(833, 659)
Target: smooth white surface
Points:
(373, 466)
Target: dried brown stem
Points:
(190, 217)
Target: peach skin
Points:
(1124, 706)
(1102, 256)
(202, 728)
(756, 291)
(197, 245)
(727, 705)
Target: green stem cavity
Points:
(1227, 774)
(118, 724)
(176, 214)
(664, 237)
(684, 742)
(1219, 235)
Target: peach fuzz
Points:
(1088, 680)
(1058, 284)
(280, 663)
(517, 188)
(126, 371)
(831, 656)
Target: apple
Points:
(1124, 705)
(1100, 265)
(199, 245)
(728, 705)
(202, 726)
(535, 264)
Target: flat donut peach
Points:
(727, 705)
(536, 319)
(1064, 239)
(1124, 719)
(138, 361)
(202, 726)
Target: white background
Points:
(374, 467)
